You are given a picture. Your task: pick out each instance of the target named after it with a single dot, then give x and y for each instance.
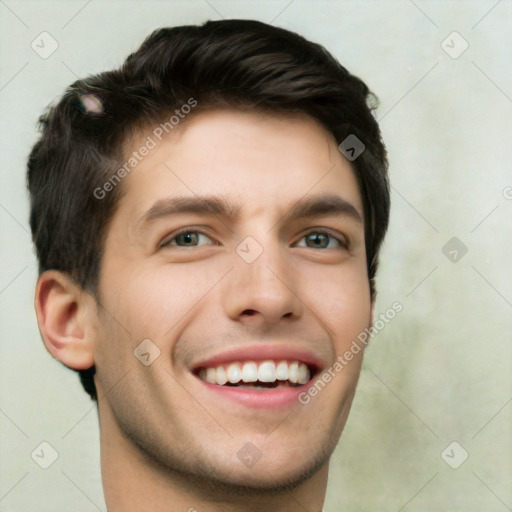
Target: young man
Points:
(208, 220)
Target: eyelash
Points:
(344, 244)
(167, 241)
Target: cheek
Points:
(340, 297)
(158, 301)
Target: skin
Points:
(167, 440)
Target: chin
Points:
(276, 472)
(269, 480)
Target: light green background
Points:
(439, 372)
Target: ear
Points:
(64, 314)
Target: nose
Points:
(260, 293)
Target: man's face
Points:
(238, 247)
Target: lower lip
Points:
(272, 398)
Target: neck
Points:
(133, 481)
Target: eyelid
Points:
(186, 229)
(341, 238)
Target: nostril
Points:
(249, 312)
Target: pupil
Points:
(189, 238)
(319, 240)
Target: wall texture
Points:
(436, 386)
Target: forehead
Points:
(256, 159)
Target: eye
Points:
(187, 238)
(320, 240)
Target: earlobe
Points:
(63, 312)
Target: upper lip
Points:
(263, 352)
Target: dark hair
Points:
(240, 64)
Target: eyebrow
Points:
(207, 205)
(324, 205)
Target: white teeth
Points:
(267, 372)
(234, 373)
(303, 374)
(221, 375)
(250, 372)
(211, 375)
(293, 372)
(282, 371)
(264, 372)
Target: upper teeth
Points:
(250, 371)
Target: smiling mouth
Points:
(258, 374)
